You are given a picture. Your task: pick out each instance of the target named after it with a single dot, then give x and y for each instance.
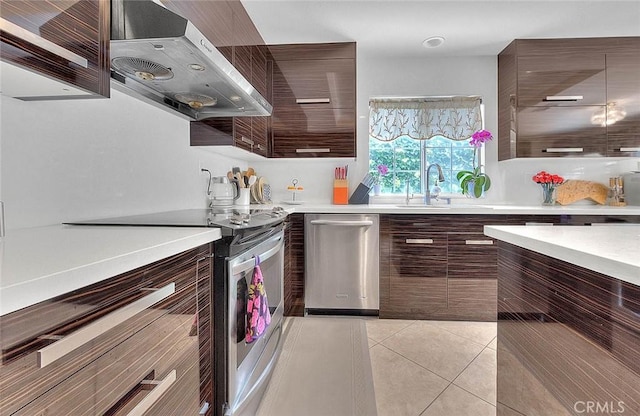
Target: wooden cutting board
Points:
(576, 190)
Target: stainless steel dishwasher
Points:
(341, 263)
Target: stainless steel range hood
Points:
(166, 59)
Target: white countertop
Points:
(461, 208)
(40, 263)
(613, 250)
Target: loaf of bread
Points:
(576, 190)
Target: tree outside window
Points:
(408, 159)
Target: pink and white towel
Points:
(258, 315)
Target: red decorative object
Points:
(548, 182)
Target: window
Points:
(407, 142)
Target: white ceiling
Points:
(397, 28)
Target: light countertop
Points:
(613, 250)
(40, 263)
(43, 262)
(463, 208)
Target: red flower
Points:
(544, 177)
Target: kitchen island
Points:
(568, 319)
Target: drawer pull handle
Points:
(563, 98)
(630, 149)
(59, 349)
(343, 223)
(564, 150)
(248, 141)
(478, 242)
(42, 43)
(419, 241)
(313, 100)
(322, 150)
(154, 395)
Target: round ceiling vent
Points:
(194, 100)
(433, 42)
(141, 69)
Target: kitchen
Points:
(79, 159)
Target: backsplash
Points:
(512, 182)
(516, 186)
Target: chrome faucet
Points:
(427, 191)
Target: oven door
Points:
(250, 363)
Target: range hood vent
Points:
(164, 58)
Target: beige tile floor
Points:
(433, 368)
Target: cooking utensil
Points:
(252, 180)
(239, 179)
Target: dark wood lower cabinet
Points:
(568, 338)
(165, 344)
(437, 267)
(294, 266)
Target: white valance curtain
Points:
(455, 118)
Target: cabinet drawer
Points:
(49, 342)
(472, 256)
(560, 131)
(318, 82)
(112, 384)
(418, 255)
(561, 80)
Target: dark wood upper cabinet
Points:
(64, 40)
(623, 104)
(314, 96)
(569, 97)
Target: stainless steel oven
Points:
(249, 364)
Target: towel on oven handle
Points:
(258, 315)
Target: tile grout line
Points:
(454, 380)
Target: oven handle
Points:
(251, 263)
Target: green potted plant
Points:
(474, 182)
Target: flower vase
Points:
(548, 193)
(471, 192)
(376, 189)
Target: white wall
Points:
(78, 159)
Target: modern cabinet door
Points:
(569, 97)
(97, 350)
(314, 100)
(418, 273)
(557, 80)
(294, 266)
(64, 40)
(560, 132)
(623, 104)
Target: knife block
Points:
(340, 191)
(360, 195)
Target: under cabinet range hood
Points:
(166, 59)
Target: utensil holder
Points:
(340, 192)
(360, 195)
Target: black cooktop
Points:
(234, 219)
